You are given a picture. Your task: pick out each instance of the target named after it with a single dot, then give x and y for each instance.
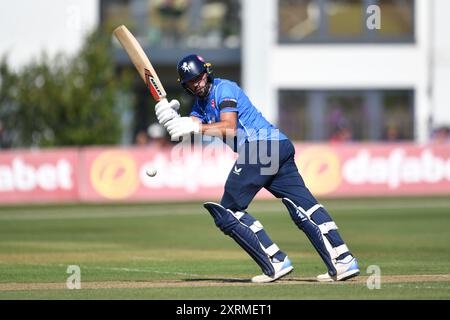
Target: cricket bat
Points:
(141, 62)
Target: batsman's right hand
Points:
(166, 111)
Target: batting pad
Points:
(313, 232)
(266, 243)
(242, 234)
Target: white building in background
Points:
(440, 62)
(307, 64)
(402, 71)
(29, 28)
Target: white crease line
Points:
(137, 270)
(142, 270)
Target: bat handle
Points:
(163, 99)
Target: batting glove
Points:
(182, 126)
(166, 111)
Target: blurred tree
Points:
(8, 109)
(66, 101)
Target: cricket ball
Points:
(151, 172)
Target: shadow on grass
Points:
(236, 280)
(227, 280)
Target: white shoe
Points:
(346, 268)
(282, 268)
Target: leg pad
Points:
(242, 234)
(313, 233)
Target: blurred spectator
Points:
(392, 134)
(341, 134)
(341, 131)
(441, 135)
(141, 138)
(158, 136)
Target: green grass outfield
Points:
(174, 251)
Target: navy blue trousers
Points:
(252, 172)
(271, 165)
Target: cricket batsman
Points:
(265, 160)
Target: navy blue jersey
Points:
(227, 96)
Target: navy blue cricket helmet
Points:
(190, 67)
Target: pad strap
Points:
(327, 226)
(256, 226)
(272, 250)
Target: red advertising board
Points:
(119, 174)
(183, 173)
(375, 169)
(39, 176)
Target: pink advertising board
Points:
(119, 174)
